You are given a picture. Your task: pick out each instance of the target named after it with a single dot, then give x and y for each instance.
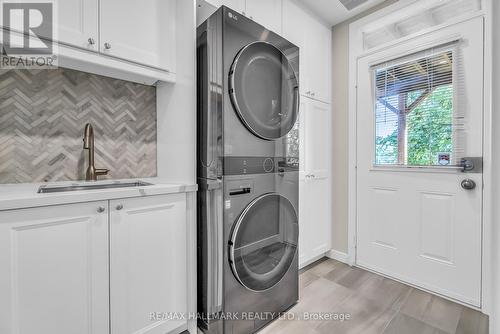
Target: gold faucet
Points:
(88, 144)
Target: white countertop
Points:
(25, 195)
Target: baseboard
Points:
(312, 260)
(339, 256)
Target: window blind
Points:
(417, 114)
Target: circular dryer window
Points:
(264, 242)
(264, 90)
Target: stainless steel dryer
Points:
(248, 100)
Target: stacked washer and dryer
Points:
(248, 101)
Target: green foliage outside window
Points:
(429, 130)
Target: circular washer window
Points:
(264, 242)
(264, 90)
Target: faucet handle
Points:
(101, 171)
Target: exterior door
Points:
(419, 113)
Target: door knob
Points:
(468, 184)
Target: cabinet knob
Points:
(313, 94)
(101, 209)
(119, 207)
(91, 41)
(107, 46)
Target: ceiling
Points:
(333, 11)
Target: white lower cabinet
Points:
(92, 268)
(148, 264)
(54, 270)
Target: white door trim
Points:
(355, 52)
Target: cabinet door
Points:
(78, 23)
(315, 187)
(139, 31)
(294, 22)
(148, 264)
(317, 137)
(267, 13)
(237, 5)
(54, 265)
(318, 57)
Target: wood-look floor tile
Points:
(355, 278)
(338, 272)
(307, 278)
(443, 314)
(367, 316)
(472, 322)
(377, 305)
(324, 267)
(416, 304)
(404, 324)
(383, 290)
(321, 295)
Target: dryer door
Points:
(264, 242)
(264, 90)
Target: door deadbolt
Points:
(468, 184)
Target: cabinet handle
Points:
(119, 207)
(107, 46)
(101, 209)
(313, 94)
(91, 41)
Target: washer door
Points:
(264, 90)
(264, 242)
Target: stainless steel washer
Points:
(248, 101)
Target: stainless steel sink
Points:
(80, 187)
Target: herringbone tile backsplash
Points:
(42, 119)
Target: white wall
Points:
(340, 105)
(177, 105)
(495, 316)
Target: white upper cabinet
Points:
(294, 23)
(314, 40)
(139, 31)
(266, 12)
(148, 268)
(237, 5)
(78, 23)
(54, 270)
(318, 57)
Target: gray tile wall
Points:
(43, 115)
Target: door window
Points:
(416, 121)
(264, 242)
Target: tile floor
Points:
(376, 305)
